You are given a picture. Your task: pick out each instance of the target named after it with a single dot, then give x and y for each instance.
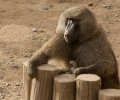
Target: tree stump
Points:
(27, 82)
(109, 94)
(87, 86)
(64, 87)
(42, 86)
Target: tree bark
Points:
(42, 86)
(64, 87)
(87, 86)
(27, 82)
(109, 94)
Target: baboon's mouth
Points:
(68, 40)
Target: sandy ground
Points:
(18, 41)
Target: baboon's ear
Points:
(61, 24)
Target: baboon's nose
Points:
(66, 35)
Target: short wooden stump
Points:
(64, 87)
(109, 94)
(87, 86)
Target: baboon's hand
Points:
(73, 64)
(77, 71)
(31, 71)
(72, 67)
(71, 70)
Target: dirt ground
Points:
(18, 18)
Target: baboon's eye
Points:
(69, 20)
(69, 24)
(76, 27)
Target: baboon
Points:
(80, 38)
(56, 51)
(90, 47)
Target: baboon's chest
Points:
(84, 56)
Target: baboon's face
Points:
(72, 31)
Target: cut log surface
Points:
(109, 94)
(64, 87)
(87, 86)
(42, 86)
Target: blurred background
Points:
(26, 24)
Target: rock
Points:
(34, 29)
(42, 31)
(13, 66)
(45, 8)
(11, 56)
(110, 6)
(18, 83)
(51, 5)
(7, 84)
(91, 4)
(108, 31)
(26, 55)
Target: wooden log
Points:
(109, 94)
(42, 86)
(64, 87)
(27, 82)
(87, 86)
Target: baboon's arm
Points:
(100, 68)
(51, 49)
(37, 59)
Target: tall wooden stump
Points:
(87, 86)
(64, 87)
(27, 82)
(42, 86)
(109, 94)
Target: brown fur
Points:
(56, 52)
(96, 56)
(92, 52)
